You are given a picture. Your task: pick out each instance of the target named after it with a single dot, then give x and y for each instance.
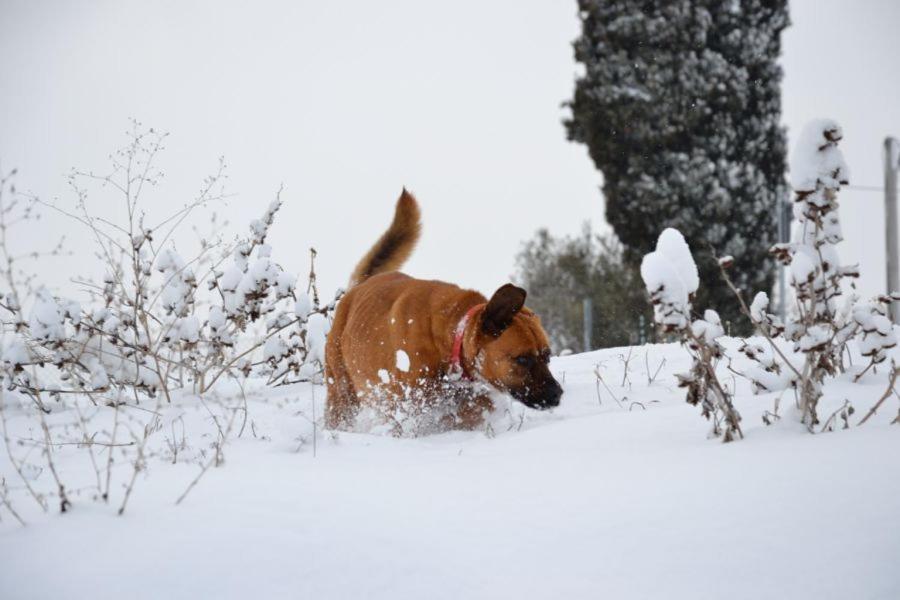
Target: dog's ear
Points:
(501, 309)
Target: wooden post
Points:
(891, 166)
(587, 312)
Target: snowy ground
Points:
(590, 500)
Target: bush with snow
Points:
(159, 326)
(822, 319)
(670, 275)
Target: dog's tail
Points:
(395, 245)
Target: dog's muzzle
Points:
(547, 396)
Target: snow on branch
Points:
(670, 275)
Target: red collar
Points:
(456, 365)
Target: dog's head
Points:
(512, 351)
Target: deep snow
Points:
(589, 500)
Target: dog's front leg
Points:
(473, 410)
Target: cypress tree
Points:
(679, 106)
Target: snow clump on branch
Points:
(670, 275)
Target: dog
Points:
(394, 337)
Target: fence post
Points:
(891, 166)
(785, 214)
(587, 321)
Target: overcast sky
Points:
(345, 102)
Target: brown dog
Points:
(395, 337)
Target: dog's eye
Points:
(526, 360)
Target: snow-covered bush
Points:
(823, 317)
(158, 325)
(670, 274)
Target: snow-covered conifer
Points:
(679, 106)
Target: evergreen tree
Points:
(679, 106)
(559, 273)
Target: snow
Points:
(803, 268)
(816, 336)
(259, 228)
(759, 306)
(284, 284)
(816, 160)
(186, 329)
(71, 310)
(672, 245)
(709, 327)
(316, 334)
(231, 279)
(14, 352)
(169, 260)
(178, 280)
(275, 348)
(303, 306)
(47, 320)
(590, 500)
(878, 332)
(217, 318)
(402, 361)
(670, 275)
(99, 378)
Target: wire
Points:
(865, 188)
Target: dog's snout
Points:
(554, 393)
(547, 397)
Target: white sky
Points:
(345, 102)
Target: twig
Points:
(845, 411)
(139, 461)
(625, 362)
(5, 499)
(48, 452)
(90, 442)
(859, 375)
(650, 379)
(600, 379)
(12, 458)
(895, 371)
(215, 460)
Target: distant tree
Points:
(679, 106)
(560, 272)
